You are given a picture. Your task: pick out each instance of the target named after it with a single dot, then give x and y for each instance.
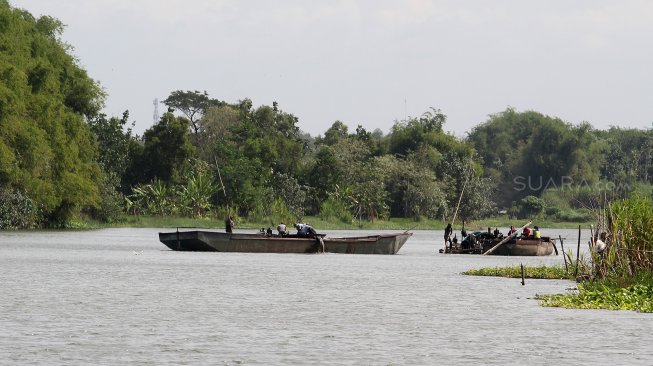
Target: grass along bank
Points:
(142, 221)
(395, 223)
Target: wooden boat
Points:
(479, 243)
(213, 241)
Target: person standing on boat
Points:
(447, 234)
(229, 224)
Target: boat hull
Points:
(514, 247)
(525, 248)
(376, 244)
(211, 241)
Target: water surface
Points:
(118, 296)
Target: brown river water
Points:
(119, 296)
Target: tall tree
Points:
(114, 142)
(193, 104)
(46, 148)
(166, 153)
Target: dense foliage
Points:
(47, 152)
(61, 157)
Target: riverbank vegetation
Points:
(618, 272)
(319, 223)
(63, 162)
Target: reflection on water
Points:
(118, 296)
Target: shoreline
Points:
(503, 223)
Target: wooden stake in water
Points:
(522, 274)
(564, 257)
(577, 253)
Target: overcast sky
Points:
(371, 62)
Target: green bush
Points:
(552, 211)
(530, 207)
(571, 215)
(110, 207)
(17, 211)
(335, 209)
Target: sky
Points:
(370, 62)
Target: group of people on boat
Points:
(303, 230)
(527, 233)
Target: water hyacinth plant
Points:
(540, 272)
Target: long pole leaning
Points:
(224, 191)
(455, 213)
(506, 239)
(460, 198)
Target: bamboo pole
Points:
(460, 198)
(522, 274)
(506, 239)
(455, 213)
(224, 191)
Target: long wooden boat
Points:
(214, 241)
(513, 247)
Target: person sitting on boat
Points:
(305, 230)
(268, 232)
(512, 230)
(496, 232)
(537, 234)
(527, 232)
(302, 231)
(281, 228)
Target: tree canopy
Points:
(46, 148)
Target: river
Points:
(118, 296)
